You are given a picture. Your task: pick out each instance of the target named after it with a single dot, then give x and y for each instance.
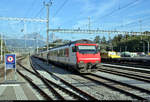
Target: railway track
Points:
(59, 87)
(133, 91)
(41, 92)
(122, 72)
(49, 84)
(58, 93)
(75, 89)
(135, 69)
(125, 88)
(130, 64)
(27, 78)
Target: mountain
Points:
(31, 41)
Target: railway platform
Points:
(15, 90)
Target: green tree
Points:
(97, 39)
(103, 40)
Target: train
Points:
(109, 55)
(80, 55)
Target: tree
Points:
(103, 40)
(97, 39)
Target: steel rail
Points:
(69, 85)
(65, 90)
(115, 88)
(137, 70)
(114, 69)
(137, 77)
(122, 83)
(55, 93)
(141, 65)
(42, 93)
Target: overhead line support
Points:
(23, 19)
(85, 31)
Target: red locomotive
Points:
(81, 55)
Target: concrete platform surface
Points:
(16, 90)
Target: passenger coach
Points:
(81, 55)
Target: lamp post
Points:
(1, 47)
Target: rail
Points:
(112, 87)
(69, 85)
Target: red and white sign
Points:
(10, 59)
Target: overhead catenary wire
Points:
(134, 22)
(39, 11)
(112, 12)
(58, 10)
(30, 8)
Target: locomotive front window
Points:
(87, 49)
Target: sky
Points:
(122, 15)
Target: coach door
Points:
(72, 55)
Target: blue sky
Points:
(121, 15)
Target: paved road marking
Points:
(10, 85)
(20, 95)
(2, 89)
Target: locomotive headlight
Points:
(97, 62)
(81, 62)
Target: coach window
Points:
(67, 52)
(74, 49)
(55, 53)
(52, 53)
(60, 54)
(63, 52)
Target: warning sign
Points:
(10, 61)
